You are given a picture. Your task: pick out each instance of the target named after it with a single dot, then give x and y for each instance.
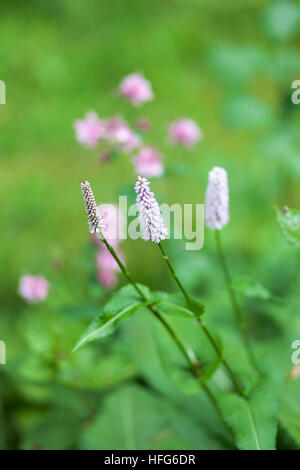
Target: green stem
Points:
(204, 328)
(234, 302)
(174, 274)
(150, 307)
(193, 367)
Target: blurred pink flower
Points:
(107, 278)
(33, 289)
(105, 260)
(107, 267)
(90, 129)
(118, 131)
(113, 125)
(148, 162)
(184, 131)
(136, 89)
(113, 221)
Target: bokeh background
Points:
(229, 66)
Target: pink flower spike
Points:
(150, 217)
(217, 199)
(136, 89)
(89, 130)
(185, 131)
(33, 289)
(148, 162)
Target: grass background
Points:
(227, 65)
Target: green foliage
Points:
(230, 69)
(289, 223)
(145, 421)
(253, 420)
(85, 370)
(123, 304)
(244, 112)
(282, 19)
(251, 288)
(176, 304)
(59, 430)
(289, 411)
(142, 423)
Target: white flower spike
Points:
(95, 220)
(151, 221)
(217, 199)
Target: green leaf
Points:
(250, 288)
(145, 421)
(84, 371)
(175, 304)
(289, 223)
(289, 411)
(253, 420)
(105, 325)
(59, 430)
(156, 356)
(186, 382)
(191, 336)
(142, 423)
(121, 306)
(199, 307)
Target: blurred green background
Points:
(229, 65)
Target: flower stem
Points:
(234, 302)
(204, 328)
(193, 367)
(150, 307)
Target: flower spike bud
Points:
(151, 221)
(95, 220)
(217, 199)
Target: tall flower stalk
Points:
(234, 302)
(204, 328)
(192, 364)
(152, 227)
(216, 217)
(95, 224)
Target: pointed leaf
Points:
(289, 411)
(253, 420)
(105, 325)
(121, 306)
